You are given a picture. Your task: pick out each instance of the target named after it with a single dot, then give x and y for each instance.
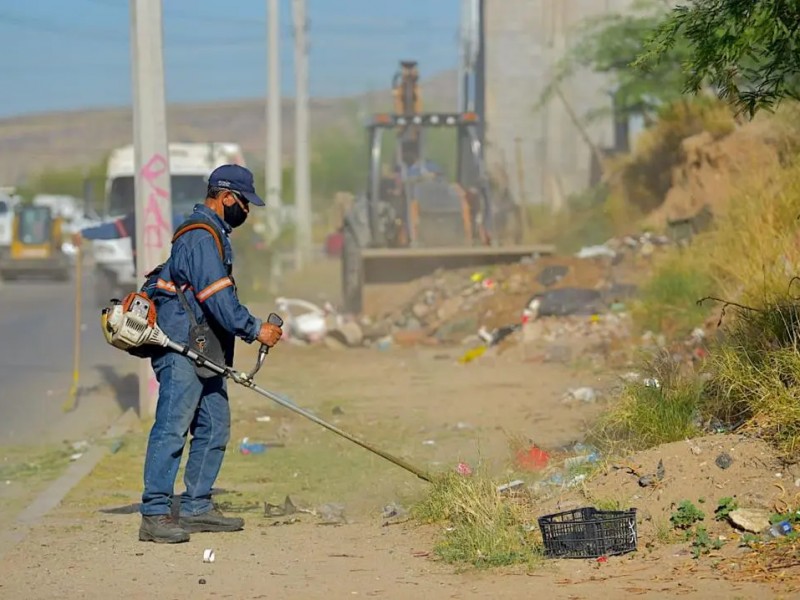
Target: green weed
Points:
(702, 542)
(725, 506)
(646, 416)
(668, 301)
(686, 515)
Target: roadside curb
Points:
(51, 497)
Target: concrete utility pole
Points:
(301, 168)
(152, 179)
(271, 221)
(273, 170)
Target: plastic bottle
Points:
(247, 448)
(780, 529)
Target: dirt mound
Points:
(711, 171)
(755, 478)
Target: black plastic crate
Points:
(589, 533)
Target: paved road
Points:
(36, 353)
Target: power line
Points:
(103, 35)
(345, 26)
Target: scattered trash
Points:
(584, 459)
(384, 343)
(76, 456)
(598, 251)
(248, 447)
(208, 555)
(472, 354)
(602, 559)
(464, 469)
(264, 419)
(303, 320)
(781, 529)
(582, 394)
(429, 442)
(566, 301)
(533, 459)
(201, 581)
(332, 514)
(652, 382)
(394, 511)
(494, 337)
(280, 510)
(724, 461)
(510, 486)
(80, 446)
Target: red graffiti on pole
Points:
(155, 226)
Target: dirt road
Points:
(418, 403)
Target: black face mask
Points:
(234, 215)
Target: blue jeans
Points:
(186, 404)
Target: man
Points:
(188, 402)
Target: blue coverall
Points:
(187, 403)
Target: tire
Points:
(352, 276)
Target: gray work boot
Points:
(162, 529)
(211, 521)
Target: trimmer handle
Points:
(272, 319)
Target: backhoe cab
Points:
(412, 219)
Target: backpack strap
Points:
(194, 223)
(190, 225)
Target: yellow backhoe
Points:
(412, 219)
(36, 246)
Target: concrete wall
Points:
(524, 41)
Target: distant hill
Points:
(32, 143)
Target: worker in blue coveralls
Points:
(195, 284)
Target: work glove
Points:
(269, 334)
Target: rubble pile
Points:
(539, 301)
(454, 306)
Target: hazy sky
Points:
(68, 54)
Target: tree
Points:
(609, 44)
(747, 51)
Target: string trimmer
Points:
(131, 324)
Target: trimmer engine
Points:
(132, 323)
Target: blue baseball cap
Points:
(236, 179)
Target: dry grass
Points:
(753, 251)
(749, 257)
(482, 527)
